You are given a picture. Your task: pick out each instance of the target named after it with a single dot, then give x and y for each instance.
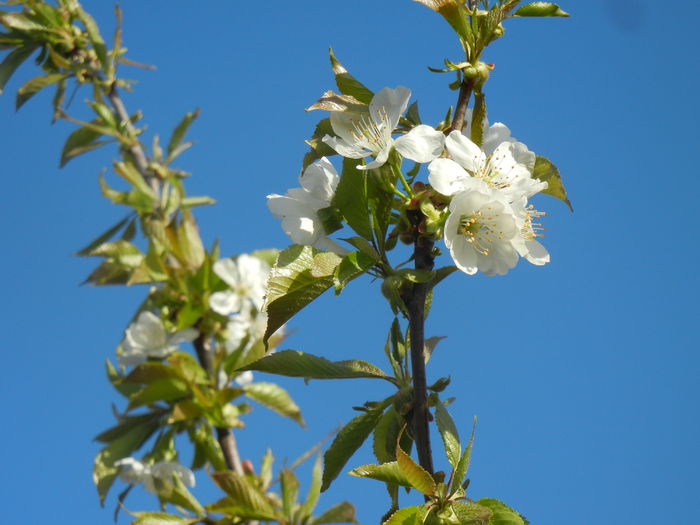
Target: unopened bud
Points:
(248, 467)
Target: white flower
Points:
(248, 324)
(298, 209)
(133, 471)
(244, 378)
(526, 243)
(508, 169)
(369, 133)
(147, 337)
(494, 134)
(481, 231)
(246, 275)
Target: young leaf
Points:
(450, 436)
(179, 133)
(309, 505)
(348, 440)
(540, 9)
(290, 490)
(407, 516)
(106, 236)
(159, 390)
(351, 267)
(351, 198)
(502, 514)
(386, 472)
(247, 501)
(548, 172)
(12, 61)
(347, 84)
(416, 475)
(33, 86)
(343, 512)
(471, 513)
(463, 465)
(296, 279)
(160, 518)
(275, 398)
(292, 363)
(80, 141)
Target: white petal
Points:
(227, 269)
(421, 144)
(283, 205)
(446, 176)
(320, 179)
(344, 124)
(465, 152)
(389, 102)
(244, 378)
(379, 161)
(536, 253)
(184, 336)
(225, 303)
(346, 149)
(147, 332)
(302, 230)
(495, 135)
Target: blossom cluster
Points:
(490, 223)
(133, 471)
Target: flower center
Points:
(494, 174)
(481, 229)
(372, 131)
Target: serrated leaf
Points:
(471, 513)
(463, 466)
(386, 434)
(351, 198)
(347, 84)
(275, 398)
(33, 86)
(501, 514)
(295, 280)
(12, 61)
(407, 516)
(312, 496)
(292, 363)
(348, 440)
(160, 518)
(351, 267)
(449, 434)
(386, 472)
(546, 171)
(343, 512)
(179, 132)
(416, 475)
(540, 9)
(246, 500)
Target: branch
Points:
(465, 93)
(227, 441)
(416, 308)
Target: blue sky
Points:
(583, 373)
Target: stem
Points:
(416, 309)
(227, 440)
(465, 93)
(135, 149)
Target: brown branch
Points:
(227, 440)
(416, 308)
(465, 93)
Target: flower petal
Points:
(379, 161)
(225, 303)
(446, 176)
(346, 149)
(465, 152)
(320, 179)
(390, 103)
(421, 144)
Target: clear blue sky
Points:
(583, 373)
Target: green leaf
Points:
(386, 472)
(449, 433)
(502, 514)
(309, 505)
(104, 237)
(292, 363)
(548, 172)
(351, 198)
(21, 22)
(407, 516)
(176, 493)
(33, 86)
(347, 84)
(167, 389)
(540, 9)
(80, 141)
(351, 267)
(343, 512)
(416, 475)
(12, 61)
(246, 501)
(348, 440)
(463, 466)
(296, 279)
(290, 490)
(160, 518)
(471, 513)
(179, 132)
(331, 101)
(96, 39)
(275, 398)
(128, 424)
(150, 371)
(386, 435)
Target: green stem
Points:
(403, 180)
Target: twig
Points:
(465, 93)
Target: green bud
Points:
(498, 33)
